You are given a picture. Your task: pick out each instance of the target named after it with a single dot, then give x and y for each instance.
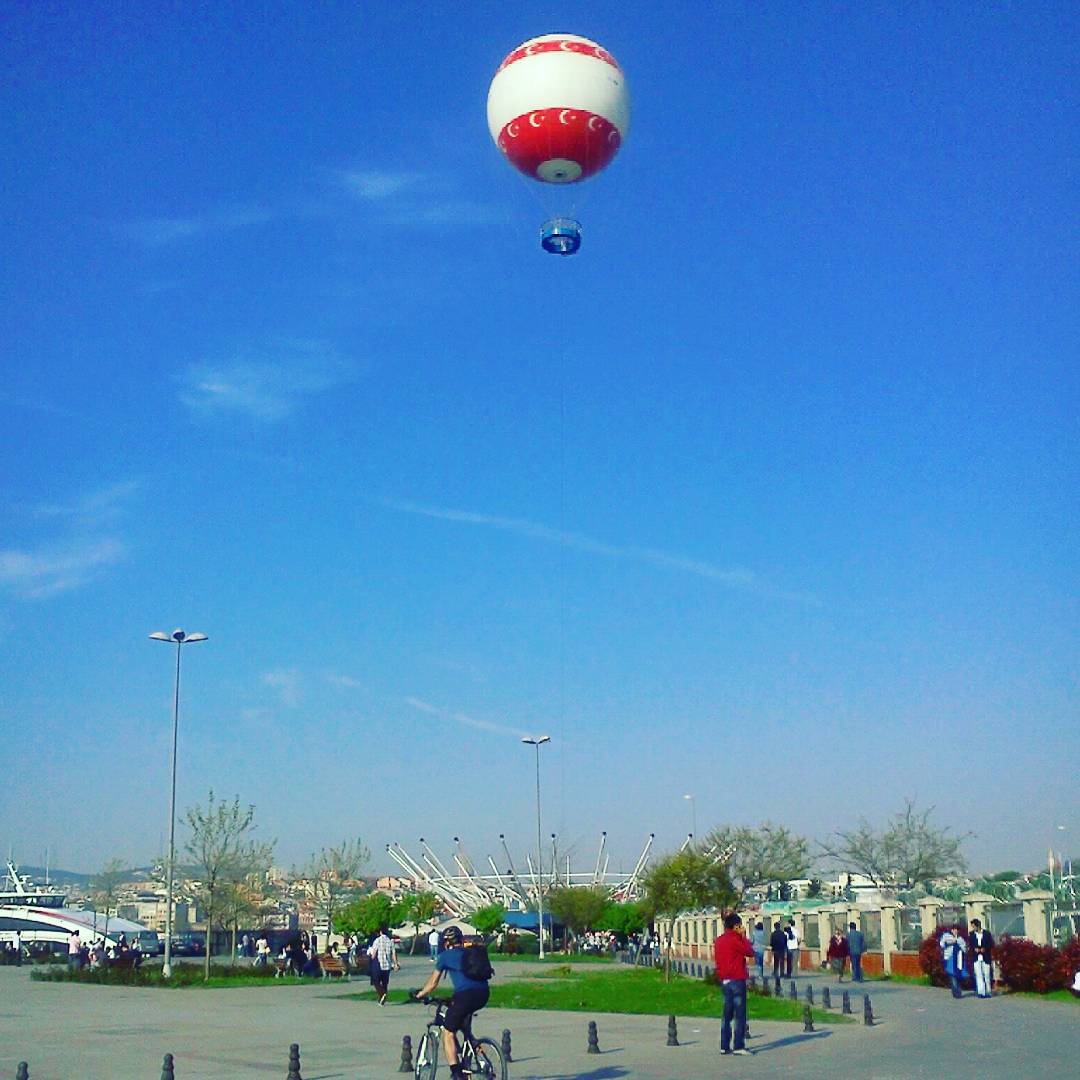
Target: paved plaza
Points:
(74, 1032)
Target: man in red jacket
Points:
(731, 951)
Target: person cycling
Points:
(470, 995)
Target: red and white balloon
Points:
(558, 108)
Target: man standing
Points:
(433, 944)
(792, 950)
(757, 943)
(982, 950)
(730, 953)
(383, 953)
(856, 944)
(778, 944)
(74, 950)
(18, 948)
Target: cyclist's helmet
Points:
(452, 937)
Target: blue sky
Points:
(768, 496)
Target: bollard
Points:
(594, 1043)
(847, 1004)
(809, 995)
(826, 998)
(867, 1011)
(672, 1032)
(793, 992)
(294, 1062)
(765, 988)
(506, 1044)
(753, 984)
(167, 1072)
(807, 1018)
(23, 1072)
(406, 1065)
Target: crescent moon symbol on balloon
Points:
(562, 116)
(593, 122)
(566, 46)
(533, 121)
(512, 130)
(613, 136)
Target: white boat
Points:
(20, 891)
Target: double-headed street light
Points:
(693, 815)
(539, 844)
(180, 638)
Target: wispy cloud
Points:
(462, 718)
(374, 185)
(57, 567)
(579, 542)
(286, 684)
(156, 231)
(345, 682)
(266, 389)
(414, 199)
(94, 507)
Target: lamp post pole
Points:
(693, 815)
(180, 638)
(539, 845)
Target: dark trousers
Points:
(734, 1009)
(779, 965)
(856, 967)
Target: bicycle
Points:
(479, 1057)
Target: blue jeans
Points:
(734, 1008)
(856, 967)
(759, 959)
(954, 985)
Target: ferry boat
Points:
(19, 891)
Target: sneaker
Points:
(725, 1053)
(743, 1053)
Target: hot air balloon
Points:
(558, 108)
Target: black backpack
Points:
(475, 962)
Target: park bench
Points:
(332, 965)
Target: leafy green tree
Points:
(623, 919)
(910, 851)
(688, 880)
(489, 918)
(225, 854)
(368, 914)
(417, 908)
(769, 853)
(105, 886)
(578, 909)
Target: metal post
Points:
(166, 966)
(540, 860)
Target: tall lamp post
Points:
(180, 638)
(693, 815)
(539, 845)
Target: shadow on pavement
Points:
(791, 1040)
(614, 1072)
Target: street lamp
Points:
(180, 638)
(539, 844)
(693, 815)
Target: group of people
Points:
(782, 943)
(958, 966)
(844, 947)
(97, 953)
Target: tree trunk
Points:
(209, 942)
(232, 955)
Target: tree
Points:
(240, 900)
(104, 887)
(578, 909)
(418, 908)
(766, 854)
(909, 851)
(332, 876)
(687, 880)
(623, 919)
(488, 918)
(368, 914)
(225, 854)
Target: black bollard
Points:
(294, 1062)
(167, 1072)
(406, 1065)
(847, 1004)
(793, 991)
(506, 1044)
(826, 998)
(594, 1043)
(809, 995)
(672, 1032)
(23, 1072)
(753, 984)
(807, 1018)
(867, 1011)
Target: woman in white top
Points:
(792, 950)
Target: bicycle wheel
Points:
(427, 1056)
(488, 1061)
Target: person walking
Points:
(837, 953)
(757, 943)
(730, 953)
(18, 948)
(383, 953)
(982, 952)
(433, 944)
(792, 951)
(856, 944)
(953, 947)
(778, 943)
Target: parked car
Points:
(188, 943)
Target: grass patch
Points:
(184, 977)
(641, 992)
(551, 958)
(1053, 995)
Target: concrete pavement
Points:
(68, 1031)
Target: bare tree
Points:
(104, 887)
(907, 852)
(225, 854)
(762, 855)
(332, 874)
